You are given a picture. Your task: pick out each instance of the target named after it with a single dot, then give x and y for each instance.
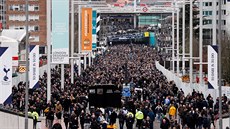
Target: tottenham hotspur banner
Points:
(5, 73)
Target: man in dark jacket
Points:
(50, 117)
(73, 121)
(113, 118)
(66, 117)
(165, 123)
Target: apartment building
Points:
(2, 14)
(208, 17)
(16, 17)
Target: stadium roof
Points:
(119, 7)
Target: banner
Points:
(5, 74)
(212, 67)
(86, 36)
(60, 31)
(34, 66)
(94, 31)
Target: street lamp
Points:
(27, 68)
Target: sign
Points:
(34, 66)
(126, 90)
(212, 67)
(60, 31)
(22, 69)
(146, 34)
(104, 95)
(5, 74)
(145, 9)
(94, 31)
(86, 29)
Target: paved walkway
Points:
(41, 125)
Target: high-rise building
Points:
(2, 14)
(208, 12)
(16, 17)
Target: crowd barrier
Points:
(187, 88)
(12, 120)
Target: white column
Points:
(72, 41)
(85, 57)
(191, 43)
(135, 5)
(48, 38)
(79, 66)
(201, 42)
(135, 21)
(214, 18)
(89, 59)
(79, 38)
(62, 76)
(177, 46)
(173, 41)
(183, 38)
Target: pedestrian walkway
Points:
(42, 125)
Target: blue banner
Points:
(60, 31)
(94, 32)
(152, 39)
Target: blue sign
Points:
(126, 92)
(94, 27)
(60, 31)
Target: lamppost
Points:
(27, 68)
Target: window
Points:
(21, 27)
(16, 8)
(223, 12)
(210, 3)
(36, 8)
(210, 12)
(41, 49)
(36, 28)
(206, 3)
(22, 7)
(36, 39)
(223, 22)
(11, 7)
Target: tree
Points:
(225, 51)
(187, 25)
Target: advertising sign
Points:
(86, 36)
(5, 74)
(94, 23)
(60, 31)
(34, 66)
(212, 67)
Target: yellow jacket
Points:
(172, 111)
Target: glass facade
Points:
(148, 20)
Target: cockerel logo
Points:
(6, 78)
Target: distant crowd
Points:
(153, 97)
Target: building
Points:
(2, 14)
(208, 18)
(16, 17)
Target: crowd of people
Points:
(153, 98)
